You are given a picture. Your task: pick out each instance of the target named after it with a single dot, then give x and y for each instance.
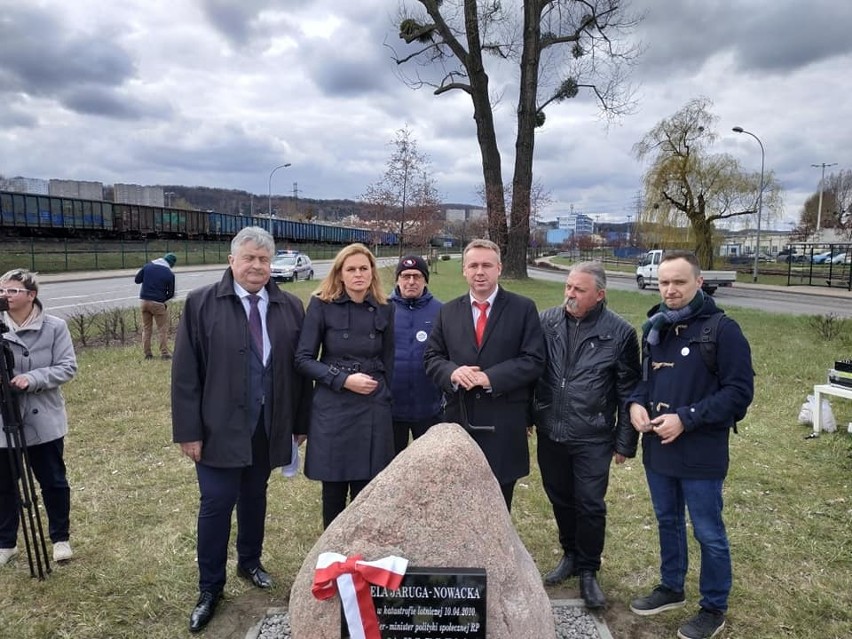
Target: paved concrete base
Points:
(255, 631)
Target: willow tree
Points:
(555, 48)
(686, 185)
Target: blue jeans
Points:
(671, 497)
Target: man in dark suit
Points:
(236, 404)
(486, 351)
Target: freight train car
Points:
(137, 220)
(27, 214)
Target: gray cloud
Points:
(217, 92)
(762, 36)
(40, 58)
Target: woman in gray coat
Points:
(347, 348)
(43, 360)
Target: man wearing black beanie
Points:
(416, 400)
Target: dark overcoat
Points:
(512, 355)
(351, 435)
(210, 375)
(708, 403)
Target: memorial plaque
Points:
(431, 603)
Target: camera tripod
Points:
(19, 463)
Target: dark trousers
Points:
(417, 429)
(221, 489)
(575, 478)
(508, 490)
(334, 494)
(49, 470)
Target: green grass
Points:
(134, 504)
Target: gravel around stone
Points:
(573, 621)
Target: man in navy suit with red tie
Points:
(237, 402)
(486, 352)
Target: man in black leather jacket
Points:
(582, 420)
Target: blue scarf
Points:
(666, 316)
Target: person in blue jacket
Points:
(158, 287)
(685, 411)
(416, 400)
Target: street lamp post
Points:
(821, 183)
(739, 129)
(271, 173)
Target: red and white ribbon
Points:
(351, 577)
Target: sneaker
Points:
(660, 599)
(62, 551)
(6, 555)
(706, 624)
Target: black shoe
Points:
(590, 591)
(165, 356)
(660, 599)
(203, 611)
(257, 576)
(564, 569)
(149, 356)
(704, 625)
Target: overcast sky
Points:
(219, 92)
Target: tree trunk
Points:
(703, 236)
(515, 264)
(495, 201)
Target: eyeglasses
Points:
(12, 291)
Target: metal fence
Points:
(63, 255)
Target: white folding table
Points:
(826, 389)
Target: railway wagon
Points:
(29, 214)
(136, 220)
(32, 214)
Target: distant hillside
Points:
(244, 203)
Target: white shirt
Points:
(490, 299)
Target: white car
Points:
(291, 267)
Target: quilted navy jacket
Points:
(415, 397)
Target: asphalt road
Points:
(64, 295)
(792, 300)
(67, 294)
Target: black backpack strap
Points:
(707, 340)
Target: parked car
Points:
(821, 258)
(841, 258)
(291, 267)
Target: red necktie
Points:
(481, 321)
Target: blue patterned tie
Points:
(255, 326)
